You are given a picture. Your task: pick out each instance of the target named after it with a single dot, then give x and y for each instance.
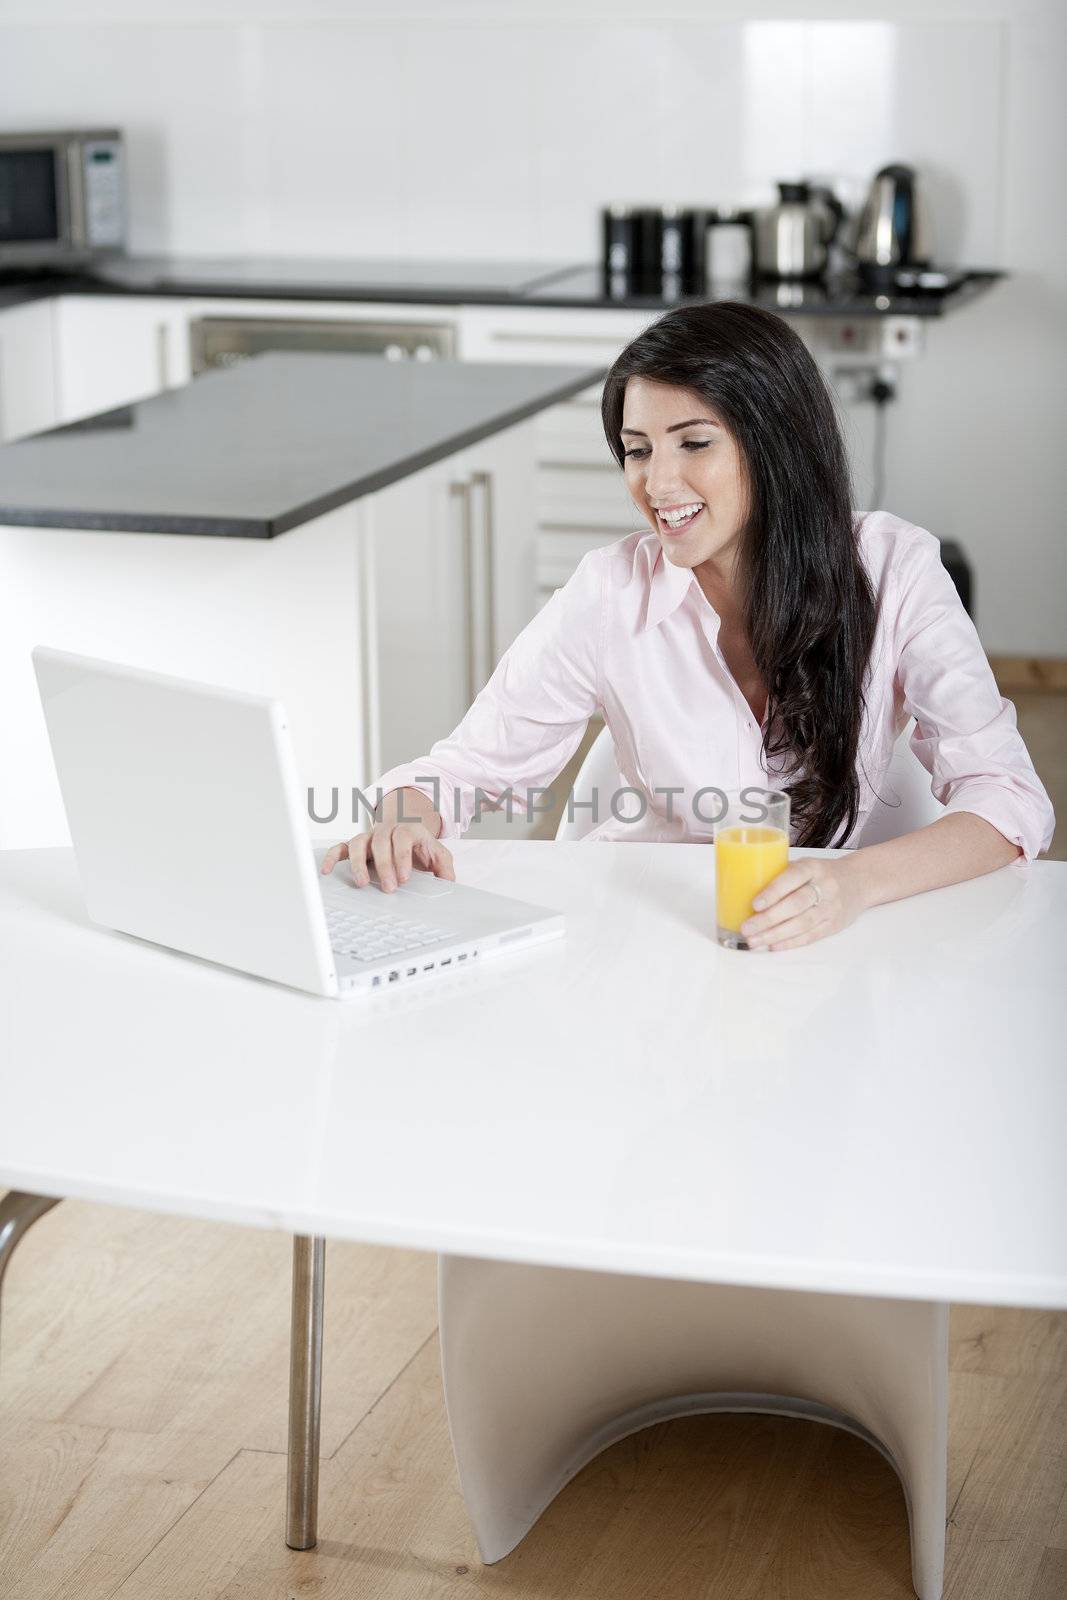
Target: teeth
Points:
(680, 515)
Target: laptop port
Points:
(446, 961)
(412, 971)
(428, 967)
(375, 981)
(462, 957)
(393, 976)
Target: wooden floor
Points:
(143, 1378)
(142, 1438)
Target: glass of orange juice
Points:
(751, 848)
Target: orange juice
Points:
(746, 859)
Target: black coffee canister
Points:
(682, 236)
(621, 251)
(655, 252)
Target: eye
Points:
(688, 444)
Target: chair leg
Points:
(305, 1392)
(546, 1367)
(18, 1213)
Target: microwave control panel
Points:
(105, 220)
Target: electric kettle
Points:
(792, 239)
(893, 230)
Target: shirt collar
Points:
(668, 586)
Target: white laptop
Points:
(160, 777)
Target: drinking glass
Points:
(751, 848)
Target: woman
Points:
(759, 634)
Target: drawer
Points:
(549, 334)
(572, 434)
(560, 550)
(559, 349)
(581, 496)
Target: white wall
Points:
(499, 131)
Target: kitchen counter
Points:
(264, 447)
(443, 282)
(18, 292)
(839, 295)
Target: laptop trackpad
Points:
(426, 884)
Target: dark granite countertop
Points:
(16, 292)
(263, 447)
(444, 282)
(414, 282)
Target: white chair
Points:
(905, 799)
(905, 802)
(545, 1367)
(598, 774)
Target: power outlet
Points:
(852, 385)
(855, 386)
(902, 336)
(855, 337)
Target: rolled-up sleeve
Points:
(529, 719)
(965, 732)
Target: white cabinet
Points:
(581, 495)
(449, 560)
(27, 387)
(114, 349)
(415, 595)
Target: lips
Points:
(677, 527)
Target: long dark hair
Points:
(808, 605)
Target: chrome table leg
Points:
(305, 1392)
(18, 1213)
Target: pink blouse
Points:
(634, 638)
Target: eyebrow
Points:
(692, 423)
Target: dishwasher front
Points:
(225, 341)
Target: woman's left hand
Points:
(789, 912)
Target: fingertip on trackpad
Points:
(426, 884)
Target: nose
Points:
(662, 487)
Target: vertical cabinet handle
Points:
(162, 355)
(461, 491)
(369, 674)
(479, 589)
(483, 482)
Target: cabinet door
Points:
(502, 540)
(454, 556)
(415, 535)
(27, 390)
(501, 528)
(580, 496)
(114, 349)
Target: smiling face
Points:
(681, 460)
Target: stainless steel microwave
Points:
(62, 197)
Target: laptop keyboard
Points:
(369, 938)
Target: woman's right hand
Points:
(394, 848)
